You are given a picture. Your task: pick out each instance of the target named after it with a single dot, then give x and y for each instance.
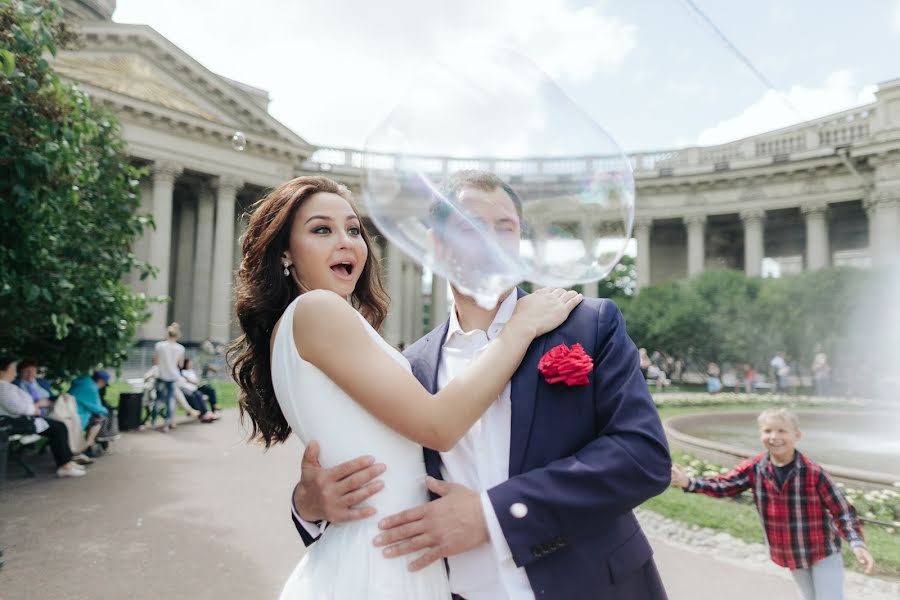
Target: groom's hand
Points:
(452, 524)
(331, 494)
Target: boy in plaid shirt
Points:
(801, 510)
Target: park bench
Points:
(18, 446)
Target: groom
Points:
(535, 501)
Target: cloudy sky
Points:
(650, 72)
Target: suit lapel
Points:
(523, 398)
(425, 366)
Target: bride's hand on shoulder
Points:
(544, 310)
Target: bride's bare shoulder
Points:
(323, 319)
(321, 304)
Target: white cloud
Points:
(779, 108)
(895, 23)
(574, 44)
(335, 70)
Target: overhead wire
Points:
(757, 73)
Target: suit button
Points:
(518, 510)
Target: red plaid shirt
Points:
(802, 518)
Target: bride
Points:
(310, 360)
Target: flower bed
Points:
(705, 399)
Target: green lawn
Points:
(226, 392)
(741, 520)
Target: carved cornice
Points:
(879, 198)
(890, 157)
(643, 222)
(229, 185)
(166, 170)
(815, 185)
(751, 177)
(753, 214)
(159, 118)
(694, 220)
(239, 101)
(753, 193)
(815, 208)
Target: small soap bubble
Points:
(239, 141)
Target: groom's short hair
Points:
(471, 178)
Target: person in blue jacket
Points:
(86, 391)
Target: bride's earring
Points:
(286, 272)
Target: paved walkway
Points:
(197, 513)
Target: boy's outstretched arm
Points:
(730, 484)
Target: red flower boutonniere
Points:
(568, 365)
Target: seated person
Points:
(37, 389)
(21, 415)
(150, 377)
(208, 355)
(110, 431)
(86, 390)
(195, 398)
(63, 407)
(205, 388)
(654, 373)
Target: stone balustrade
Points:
(826, 133)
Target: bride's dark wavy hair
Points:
(262, 292)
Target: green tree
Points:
(621, 282)
(801, 311)
(668, 317)
(724, 316)
(67, 193)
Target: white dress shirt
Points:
(479, 461)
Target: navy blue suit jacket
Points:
(581, 458)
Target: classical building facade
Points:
(823, 192)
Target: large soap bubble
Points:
(489, 175)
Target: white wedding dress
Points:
(344, 564)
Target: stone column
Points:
(164, 175)
(642, 227)
(589, 237)
(221, 306)
(203, 265)
(183, 291)
(883, 201)
(393, 323)
(872, 224)
(883, 209)
(817, 247)
(439, 308)
(754, 240)
(696, 243)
